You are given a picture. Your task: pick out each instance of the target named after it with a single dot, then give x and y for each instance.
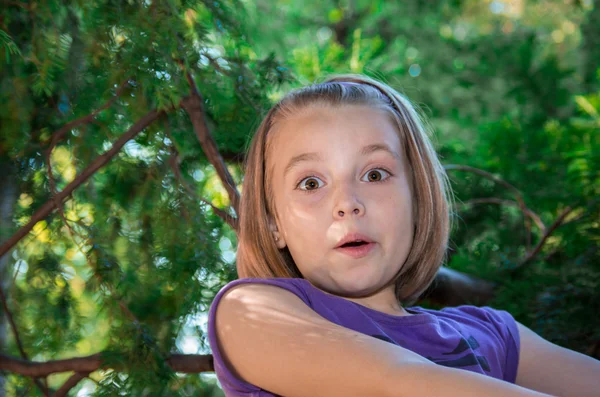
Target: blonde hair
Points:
(259, 257)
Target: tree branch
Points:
(231, 221)
(453, 288)
(100, 161)
(239, 93)
(60, 133)
(55, 202)
(70, 383)
(233, 157)
(37, 369)
(12, 324)
(487, 175)
(492, 200)
(559, 220)
(174, 163)
(54, 193)
(9, 316)
(193, 105)
(191, 363)
(184, 363)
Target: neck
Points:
(383, 301)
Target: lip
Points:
(353, 237)
(357, 252)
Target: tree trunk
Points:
(8, 198)
(453, 288)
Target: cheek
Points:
(397, 204)
(306, 206)
(303, 217)
(304, 224)
(303, 236)
(406, 203)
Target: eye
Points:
(310, 183)
(377, 175)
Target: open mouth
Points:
(356, 249)
(354, 244)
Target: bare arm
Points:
(270, 338)
(549, 368)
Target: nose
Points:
(347, 204)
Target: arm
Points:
(549, 368)
(270, 338)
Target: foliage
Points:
(131, 263)
(503, 91)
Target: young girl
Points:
(344, 217)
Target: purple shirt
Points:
(478, 339)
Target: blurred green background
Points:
(133, 259)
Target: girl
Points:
(344, 217)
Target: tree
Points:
(122, 139)
(101, 83)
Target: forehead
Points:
(325, 129)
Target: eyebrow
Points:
(376, 147)
(313, 156)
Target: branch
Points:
(12, 324)
(231, 221)
(191, 363)
(594, 350)
(560, 220)
(542, 241)
(233, 157)
(193, 105)
(60, 133)
(453, 288)
(38, 369)
(100, 161)
(58, 203)
(55, 202)
(492, 200)
(487, 175)
(239, 93)
(18, 4)
(37, 382)
(184, 363)
(70, 383)
(174, 163)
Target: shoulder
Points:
(247, 293)
(296, 286)
(240, 298)
(239, 309)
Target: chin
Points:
(358, 286)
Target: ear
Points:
(276, 235)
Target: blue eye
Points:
(310, 183)
(375, 175)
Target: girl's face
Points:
(336, 172)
